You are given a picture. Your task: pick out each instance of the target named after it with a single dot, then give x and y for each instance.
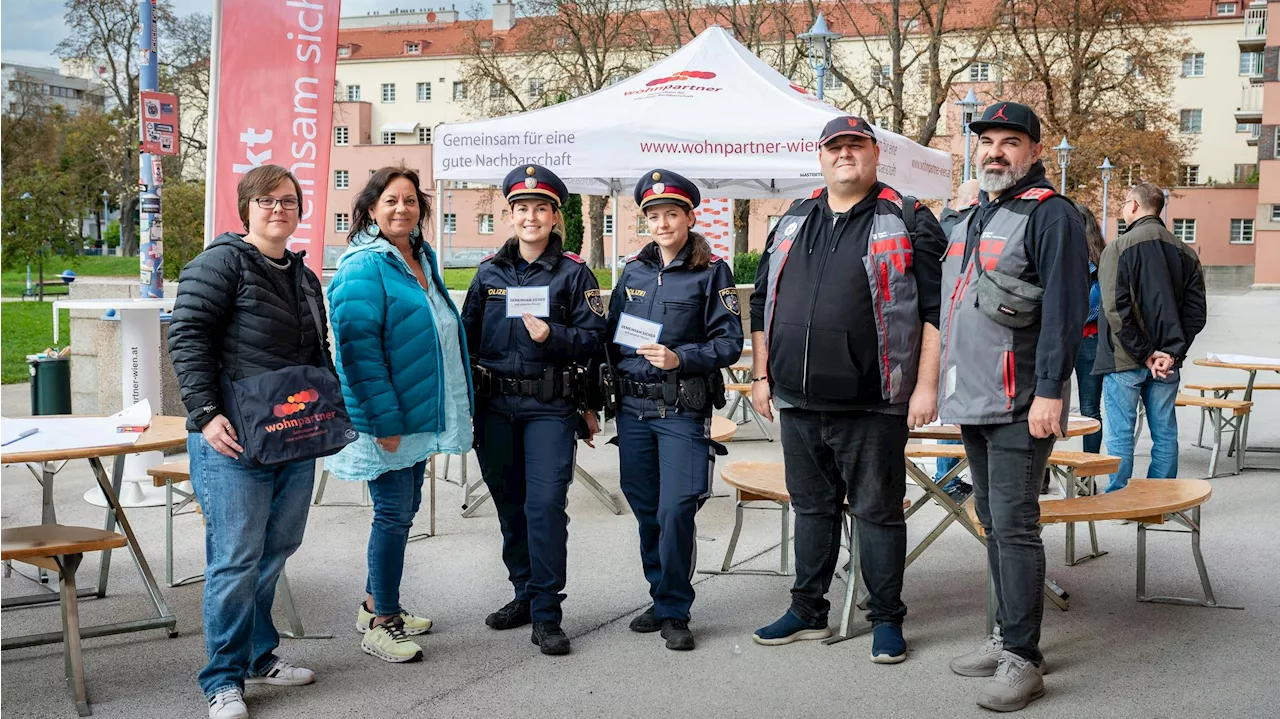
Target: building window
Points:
(1246, 173)
(344, 51)
(535, 87)
(486, 224)
(1193, 64)
(608, 225)
(642, 226)
(341, 222)
(495, 90)
(388, 138)
(1242, 232)
(388, 92)
(450, 222)
(412, 48)
(459, 91)
(1276, 139)
(881, 75)
(1226, 8)
(1275, 213)
(1250, 64)
(424, 136)
(424, 92)
(353, 93)
(1255, 132)
(1190, 175)
(341, 180)
(1245, 126)
(980, 72)
(1189, 122)
(1185, 230)
(340, 135)
(1121, 226)
(831, 81)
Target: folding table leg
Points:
(73, 658)
(853, 586)
(1193, 526)
(295, 630)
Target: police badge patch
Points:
(729, 298)
(595, 301)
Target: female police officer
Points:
(533, 318)
(675, 320)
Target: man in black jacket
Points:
(846, 345)
(1153, 303)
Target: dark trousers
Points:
(666, 476)
(1006, 464)
(831, 456)
(1089, 386)
(528, 466)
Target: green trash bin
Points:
(50, 384)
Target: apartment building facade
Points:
(401, 75)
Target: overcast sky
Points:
(30, 29)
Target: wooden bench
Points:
(1226, 388)
(170, 473)
(743, 400)
(60, 548)
(1150, 503)
(48, 287)
(1224, 414)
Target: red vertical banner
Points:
(276, 65)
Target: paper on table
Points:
(1243, 359)
(533, 300)
(62, 433)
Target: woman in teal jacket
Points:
(402, 359)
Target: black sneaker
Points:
(960, 492)
(514, 614)
(677, 634)
(647, 622)
(550, 637)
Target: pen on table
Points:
(132, 428)
(26, 433)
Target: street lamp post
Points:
(1064, 149)
(1106, 167)
(968, 108)
(102, 226)
(819, 39)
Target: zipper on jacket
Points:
(808, 328)
(884, 294)
(1010, 379)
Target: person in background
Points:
(242, 311)
(402, 359)
(1088, 384)
(530, 355)
(966, 200)
(667, 390)
(1153, 306)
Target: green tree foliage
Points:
(39, 218)
(182, 205)
(572, 212)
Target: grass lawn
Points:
(460, 278)
(28, 329)
(14, 280)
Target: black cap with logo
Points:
(846, 125)
(1010, 115)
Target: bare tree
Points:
(185, 72)
(103, 35)
(1101, 73)
(556, 49)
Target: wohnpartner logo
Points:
(681, 76)
(682, 83)
(295, 403)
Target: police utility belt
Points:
(568, 384)
(696, 394)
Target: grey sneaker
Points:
(1017, 683)
(981, 662)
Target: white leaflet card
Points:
(635, 332)
(534, 300)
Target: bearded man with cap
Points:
(1016, 278)
(668, 382)
(534, 318)
(844, 335)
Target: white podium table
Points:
(139, 380)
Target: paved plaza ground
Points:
(1110, 655)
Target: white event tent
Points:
(712, 111)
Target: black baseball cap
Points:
(846, 125)
(1011, 115)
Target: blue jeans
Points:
(396, 497)
(1121, 392)
(946, 464)
(1090, 387)
(253, 522)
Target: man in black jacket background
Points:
(846, 345)
(1153, 306)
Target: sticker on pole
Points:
(160, 123)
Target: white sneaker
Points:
(283, 674)
(1017, 683)
(228, 704)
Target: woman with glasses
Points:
(403, 364)
(244, 308)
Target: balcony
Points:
(1255, 134)
(1250, 108)
(1255, 28)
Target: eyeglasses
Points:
(269, 203)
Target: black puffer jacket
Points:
(232, 315)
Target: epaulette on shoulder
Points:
(716, 258)
(489, 256)
(1040, 194)
(816, 193)
(575, 258)
(891, 195)
(633, 256)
